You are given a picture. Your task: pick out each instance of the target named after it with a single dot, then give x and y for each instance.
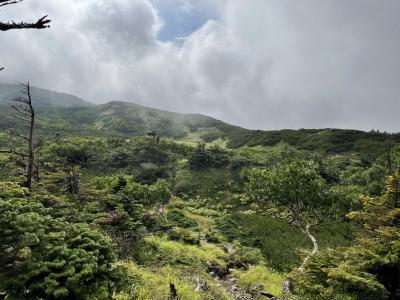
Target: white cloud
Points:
(260, 64)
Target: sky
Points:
(260, 64)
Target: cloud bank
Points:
(265, 64)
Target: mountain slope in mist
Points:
(66, 114)
(41, 97)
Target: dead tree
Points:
(389, 163)
(22, 114)
(41, 23)
(155, 136)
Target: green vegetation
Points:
(212, 212)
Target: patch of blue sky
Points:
(182, 17)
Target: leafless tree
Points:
(41, 23)
(155, 136)
(22, 113)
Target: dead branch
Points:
(15, 117)
(42, 23)
(14, 133)
(14, 152)
(8, 2)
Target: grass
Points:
(260, 278)
(204, 223)
(154, 284)
(163, 251)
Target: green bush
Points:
(43, 257)
(11, 189)
(178, 218)
(184, 235)
(244, 256)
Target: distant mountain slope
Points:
(43, 98)
(123, 118)
(66, 114)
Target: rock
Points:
(286, 286)
(266, 294)
(229, 248)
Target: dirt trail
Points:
(231, 286)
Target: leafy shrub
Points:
(178, 218)
(184, 235)
(243, 256)
(43, 257)
(213, 236)
(232, 230)
(11, 189)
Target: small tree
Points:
(294, 192)
(367, 270)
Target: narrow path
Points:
(233, 289)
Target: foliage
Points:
(178, 218)
(184, 235)
(43, 257)
(290, 185)
(126, 182)
(11, 189)
(368, 270)
(244, 256)
(215, 157)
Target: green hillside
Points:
(42, 97)
(65, 114)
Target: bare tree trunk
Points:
(396, 190)
(315, 249)
(286, 285)
(31, 158)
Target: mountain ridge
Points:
(42, 97)
(68, 114)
